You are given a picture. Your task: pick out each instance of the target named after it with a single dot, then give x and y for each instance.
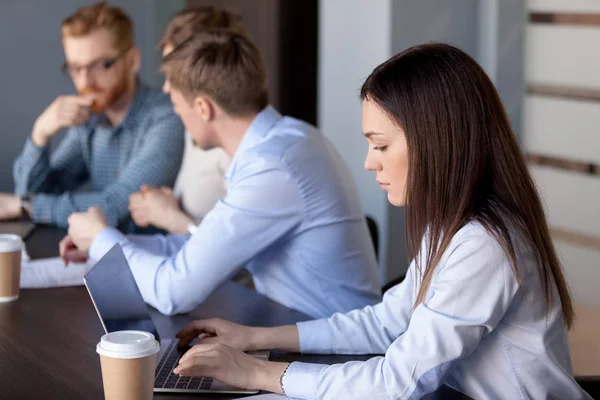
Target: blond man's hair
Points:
(98, 16)
(220, 64)
(187, 22)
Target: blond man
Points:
(201, 180)
(291, 215)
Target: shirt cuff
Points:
(104, 241)
(28, 159)
(315, 336)
(31, 151)
(300, 380)
(41, 209)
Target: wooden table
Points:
(48, 337)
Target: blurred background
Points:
(542, 56)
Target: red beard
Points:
(104, 98)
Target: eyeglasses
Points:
(95, 68)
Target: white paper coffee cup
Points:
(11, 247)
(128, 361)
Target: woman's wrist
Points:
(269, 376)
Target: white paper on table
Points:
(51, 272)
(269, 396)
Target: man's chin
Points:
(100, 102)
(98, 108)
(104, 98)
(104, 101)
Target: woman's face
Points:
(388, 152)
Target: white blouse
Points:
(479, 331)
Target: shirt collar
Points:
(258, 130)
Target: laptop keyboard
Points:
(166, 379)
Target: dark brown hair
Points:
(97, 16)
(222, 65)
(465, 163)
(187, 22)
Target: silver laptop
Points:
(120, 306)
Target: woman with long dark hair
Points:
(484, 307)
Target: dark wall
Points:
(286, 32)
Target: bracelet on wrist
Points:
(281, 378)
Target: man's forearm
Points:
(31, 169)
(38, 137)
(56, 209)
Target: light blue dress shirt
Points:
(145, 148)
(291, 216)
(479, 331)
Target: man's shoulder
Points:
(155, 101)
(156, 109)
(288, 142)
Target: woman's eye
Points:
(380, 148)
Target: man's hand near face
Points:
(64, 111)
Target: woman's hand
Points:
(218, 331)
(231, 366)
(245, 338)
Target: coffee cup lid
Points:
(127, 344)
(10, 242)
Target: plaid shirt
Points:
(112, 162)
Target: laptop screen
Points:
(116, 296)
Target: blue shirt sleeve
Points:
(35, 170)
(468, 297)
(162, 245)
(155, 163)
(260, 207)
